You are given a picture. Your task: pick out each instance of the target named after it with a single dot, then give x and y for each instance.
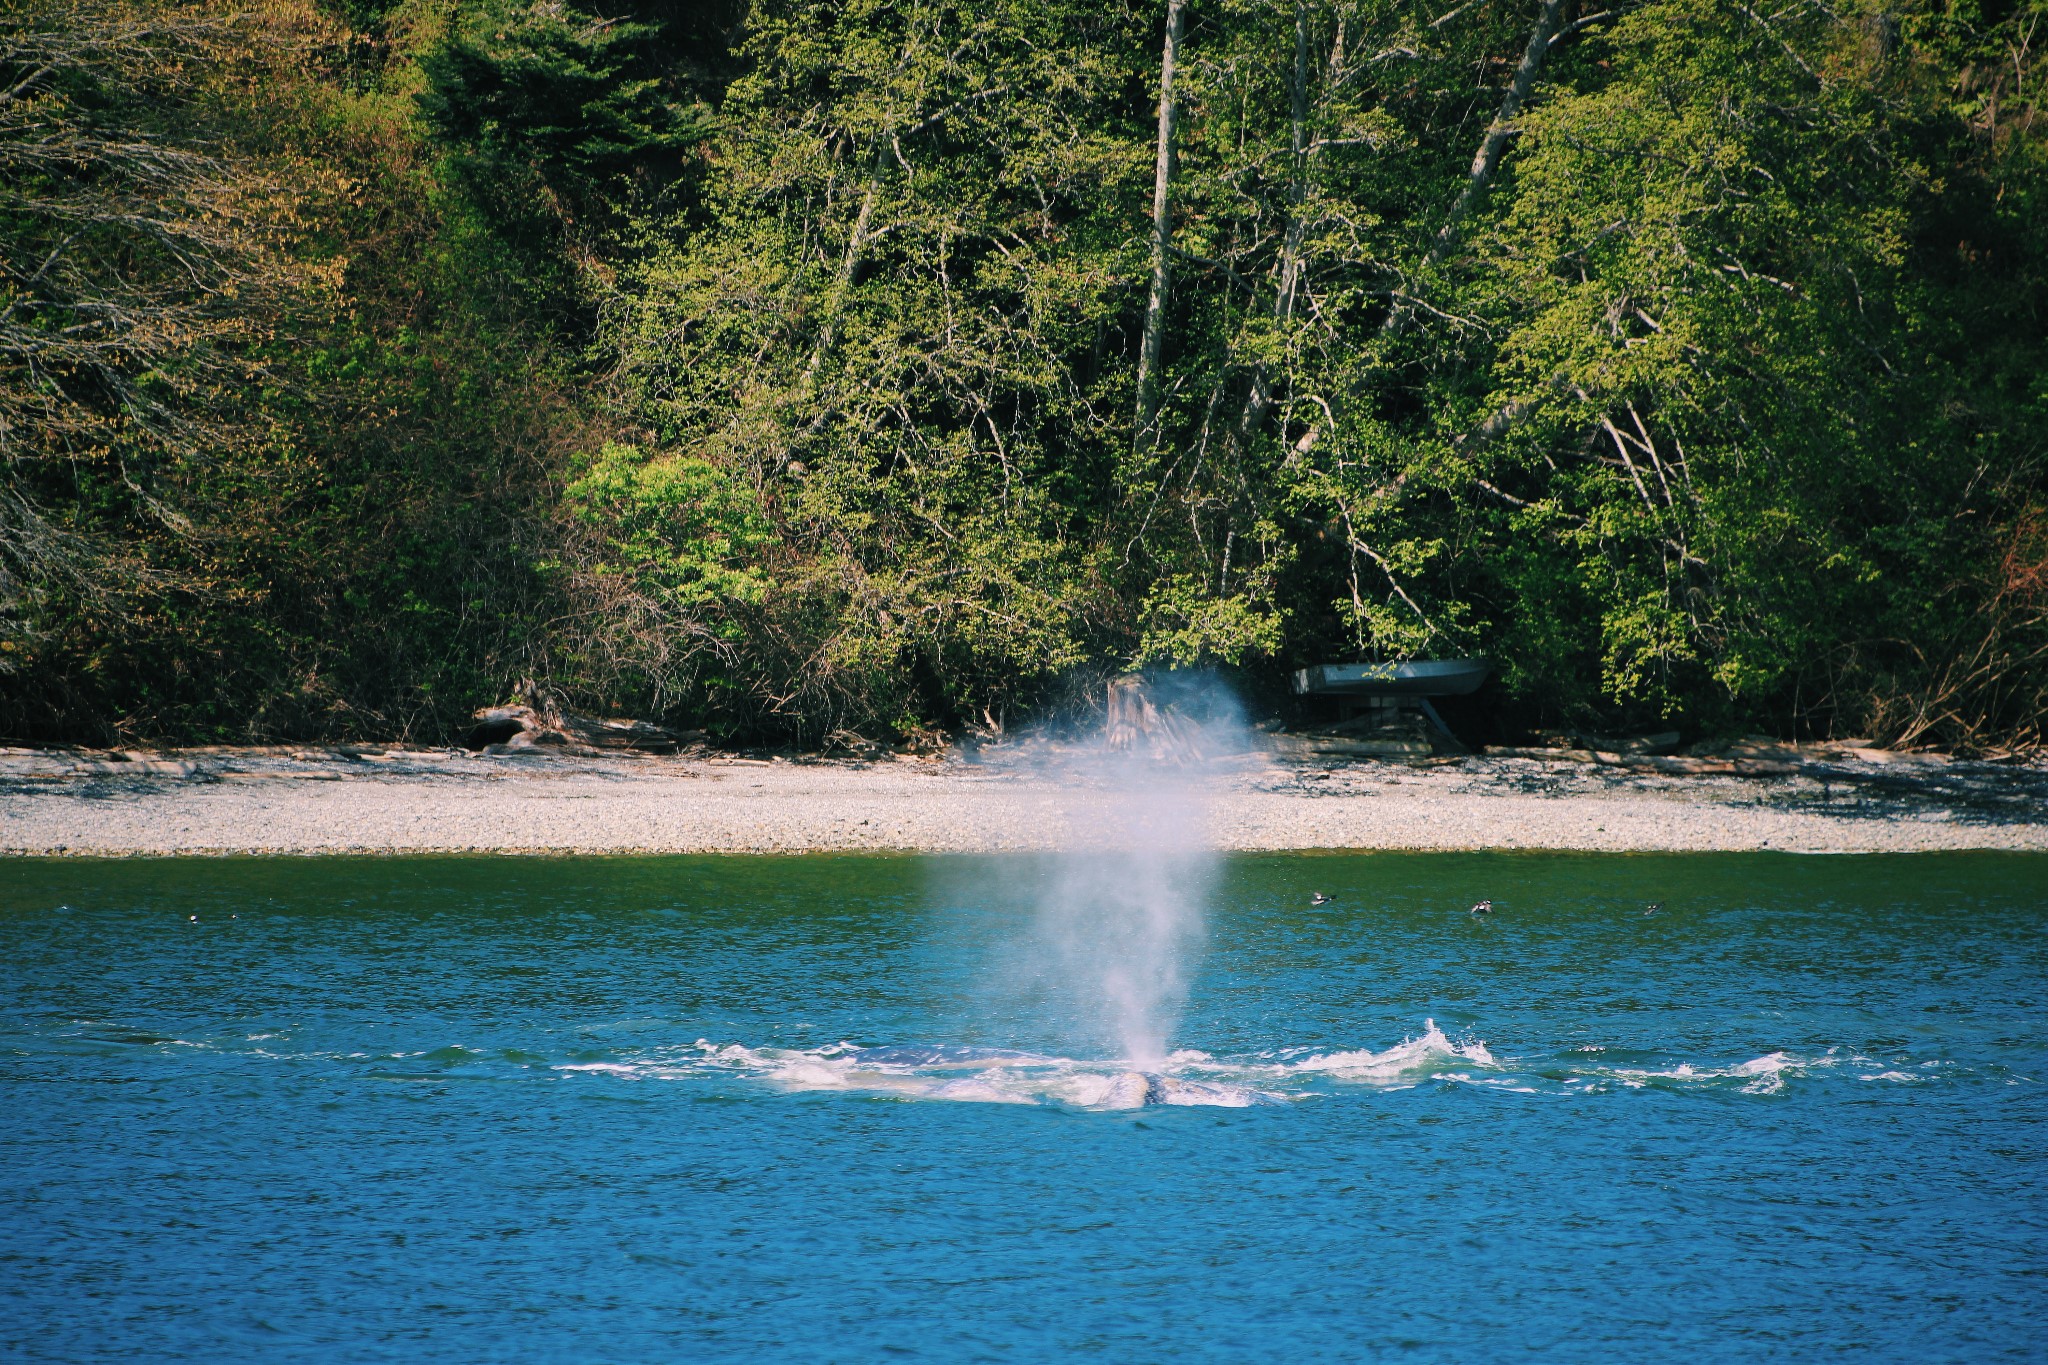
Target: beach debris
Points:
(1314, 746)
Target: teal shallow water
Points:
(819, 1108)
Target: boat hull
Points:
(1422, 678)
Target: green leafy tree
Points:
(942, 358)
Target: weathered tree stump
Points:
(1134, 724)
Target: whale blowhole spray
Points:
(1120, 918)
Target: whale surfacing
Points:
(1131, 1090)
(1139, 1089)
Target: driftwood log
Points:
(506, 728)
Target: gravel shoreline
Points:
(306, 801)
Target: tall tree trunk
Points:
(1487, 160)
(1261, 399)
(849, 265)
(1153, 343)
(1297, 146)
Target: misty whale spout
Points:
(1119, 915)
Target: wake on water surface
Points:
(994, 1075)
(1190, 1078)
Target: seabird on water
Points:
(1654, 907)
(1483, 908)
(1318, 899)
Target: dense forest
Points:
(889, 368)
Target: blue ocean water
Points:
(445, 1109)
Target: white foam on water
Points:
(1507, 1083)
(1193, 1078)
(993, 1076)
(1186, 1077)
(1432, 1053)
(1765, 1075)
(1214, 1096)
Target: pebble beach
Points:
(354, 801)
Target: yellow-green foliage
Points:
(677, 526)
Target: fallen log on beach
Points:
(501, 729)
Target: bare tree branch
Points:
(1487, 160)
